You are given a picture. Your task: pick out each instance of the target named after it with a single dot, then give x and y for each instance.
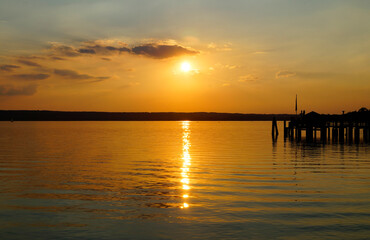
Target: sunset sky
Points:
(185, 56)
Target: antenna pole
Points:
(296, 105)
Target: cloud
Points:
(8, 67)
(58, 58)
(103, 49)
(248, 78)
(70, 74)
(88, 48)
(159, 50)
(8, 90)
(32, 57)
(230, 67)
(306, 75)
(218, 47)
(29, 63)
(88, 51)
(162, 51)
(31, 77)
(113, 49)
(63, 50)
(222, 66)
(285, 74)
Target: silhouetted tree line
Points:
(23, 115)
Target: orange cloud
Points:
(29, 63)
(31, 77)
(70, 74)
(248, 78)
(9, 90)
(285, 74)
(8, 67)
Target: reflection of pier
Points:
(346, 128)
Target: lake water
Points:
(177, 180)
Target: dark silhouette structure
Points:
(345, 128)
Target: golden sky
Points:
(185, 56)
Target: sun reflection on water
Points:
(186, 162)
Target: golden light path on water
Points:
(186, 163)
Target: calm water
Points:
(177, 180)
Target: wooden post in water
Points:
(323, 132)
(275, 131)
(350, 133)
(357, 133)
(341, 132)
(366, 132)
(285, 130)
(291, 130)
(329, 133)
(309, 133)
(335, 132)
(298, 133)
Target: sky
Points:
(246, 56)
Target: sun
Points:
(185, 67)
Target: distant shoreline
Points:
(44, 115)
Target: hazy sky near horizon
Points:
(243, 55)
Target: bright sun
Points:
(185, 67)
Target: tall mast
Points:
(296, 105)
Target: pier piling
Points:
(341, 132)
(350, 133)
(335, 132)
(285, 129)
(357, 133)
(323, 133)
(275, 131)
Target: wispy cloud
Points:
(248, 78)
(152, 50)
(28, 63)
(31, 77)
(59, 50)
(162, 51)
(58, 58)
(70, 74)
(103, 49)
(85, 50)
(8, 67)
(9, 90)
(220, 47)
(224, 66)
(285, 74)
(306, 75)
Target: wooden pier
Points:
(347, 128)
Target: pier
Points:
(348, 128)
